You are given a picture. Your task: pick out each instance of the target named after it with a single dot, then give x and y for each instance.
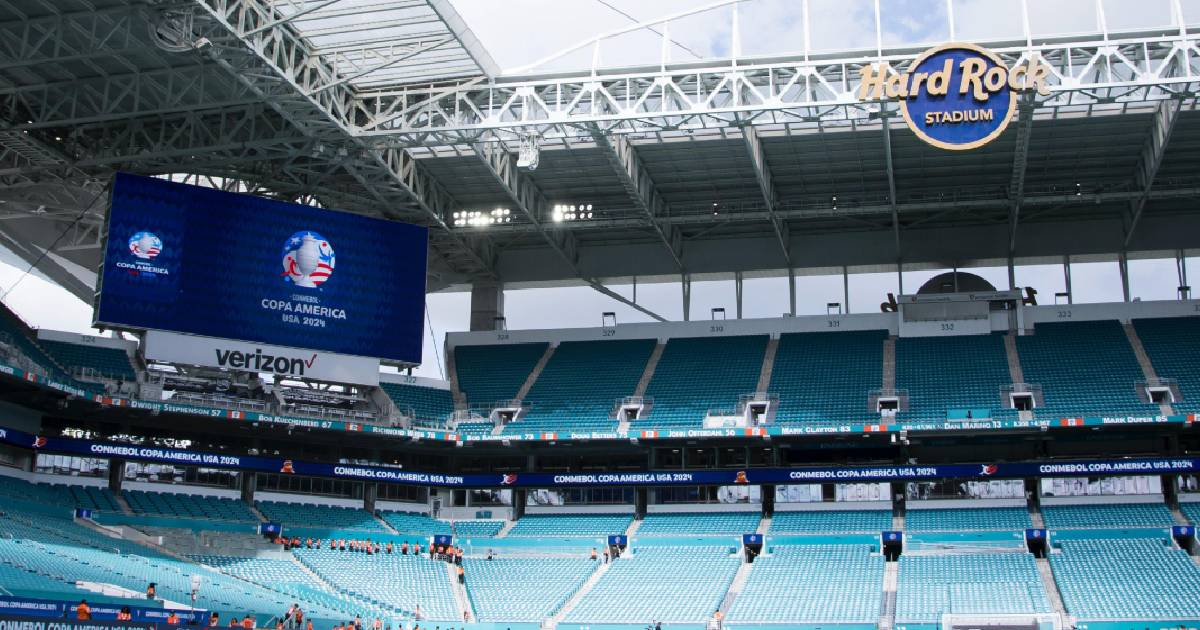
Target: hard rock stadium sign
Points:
(955, 96)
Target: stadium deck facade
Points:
(1037, 472)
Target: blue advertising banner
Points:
(751, 476)
(206, 262)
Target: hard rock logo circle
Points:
(308, 259)
(145, 245)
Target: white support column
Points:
(685, 283)
(792, 291)
(845, 290)
(738, 290)
(1123, 266)
(1067, 279)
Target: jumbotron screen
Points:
(206, 262)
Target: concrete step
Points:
(1051, 586)
(262, 518)
(764, 376)
(385, 524)
(764, 525)
(460, 399)
(887, 609)
(577, 596)
(889, 364)
(508, 525)
(735, 587)
(536, 372)
(1035, 516)
(648, 373)
(1015, 371)
(122, 503)
(460, 593)
(633, 527)
(1139, 351)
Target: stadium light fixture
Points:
(572, 212)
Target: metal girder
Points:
(82, 36)
(315, 99)
(893, 206)
(1151, 157)
(641, 189)
(762, 172)
(121, 97)
(626, 301)
(1016, 184)
(1093, 70)
(998, 206)
(527, 198)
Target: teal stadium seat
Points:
(320, 516)
(812, 584)
(977, 583)
(1086, 369)
(699, 523)
(826, 521)
(827, 377)
(109, 362)
(695, 375)
(1173, 345)
(523, 589)
(189, 506)
(668, 584)
(429, 406)
(966, 519)
(942, 374)
(1107, 515)
(579, 385)
(570, 525)
(1133, 579)
(490, 374)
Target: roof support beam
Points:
(315, 99)
(527, 198)
(1016, 183)
(641, 189)
(762, 173)
(626, 301)
(891, 180)
(1165, 116)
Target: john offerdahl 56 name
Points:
(976, 79)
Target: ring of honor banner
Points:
(206, 262)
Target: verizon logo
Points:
(263, 362)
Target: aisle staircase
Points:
(764, 377)
(588, 585)
(460, 592)
(889, 364)
(648, 373)
(536, 372)
(891, 578)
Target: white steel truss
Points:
(1091, 74)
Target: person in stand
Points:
(248, 622)
(150, 590)
(308, 625)
(214, 620)
(279, 624)
(235, 622)
(404, 548)
(378, 625)
(491, 554)
(338, 626)
(83, 612)
(299, 618)
(172, 618)
(417, 613)
(389, 548)
(124, 614)
(458, 557)
(593, 556)
(466, 617)
(657, 625)
(606, 555)
(357, 622)
(462, 577)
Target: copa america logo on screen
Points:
(145, 245)
(308, 259)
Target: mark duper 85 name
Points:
(956, 96)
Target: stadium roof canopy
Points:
(749, 165)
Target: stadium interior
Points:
(966, 456)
